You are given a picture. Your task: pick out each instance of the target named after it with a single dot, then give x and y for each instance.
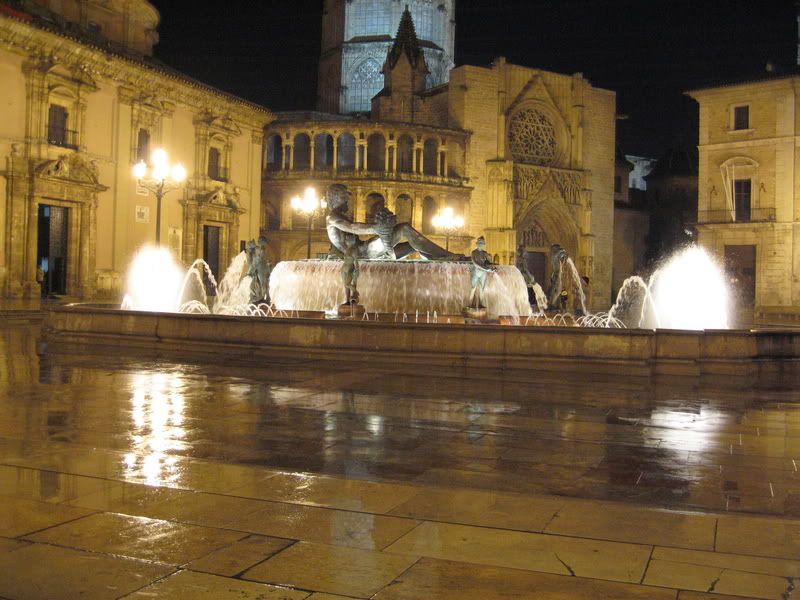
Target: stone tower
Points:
(358, 34)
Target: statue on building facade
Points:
(259, 269)
(389, 239)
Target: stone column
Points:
(416, 212)
(335, 153)
(313, 153)
(288, 157)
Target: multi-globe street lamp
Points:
(159, 177)
(310, 205)
(447, 221)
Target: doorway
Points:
(211, 237)
(51, 254)
(740, 266)
(537, 265)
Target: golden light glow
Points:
(160, 170)
(309, 202)
(447, 219)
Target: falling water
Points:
(396, 286)
(577, 284)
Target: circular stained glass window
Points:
(532, 138)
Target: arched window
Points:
(323, 151)
(405, 154)
(376, 153)
(430, 156)
(404, 209)
(428, 212)
(422, 14)
(368, 17)
(373, 203)
(274, 153)
(346, 153)
(365, 83)
(302, 152)
(143, 145)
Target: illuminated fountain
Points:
(687, 292)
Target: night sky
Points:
(648, 51)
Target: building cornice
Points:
(98, 63)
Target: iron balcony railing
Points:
(66, 138)
(328, 173)
(754, 215)
(219, 174)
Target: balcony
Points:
(65, 138)
(344, 174)
(754, 215)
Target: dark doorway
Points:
(211, 236)
(740, 265)
(537, 262)
(51, 254)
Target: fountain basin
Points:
(458, 350)
(417, 289)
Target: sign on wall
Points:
(142, 214)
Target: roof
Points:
(54, 24)
(771, 73)
(405, 42)
(677, 161)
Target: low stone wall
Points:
(773, 355)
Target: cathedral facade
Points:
(526, 156)
(83, 102)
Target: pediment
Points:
(71, 168)
(219, 198)
(536, 91)
(219, 123)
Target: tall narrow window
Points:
(57, 133)
(143, 145)
(741, 198)
(741, 117)
(214, 167)
(366, 82)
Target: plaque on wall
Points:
(142, 214)
(141, 190)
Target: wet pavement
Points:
(123, 477)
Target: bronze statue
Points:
(558, 256)
(479, 270)
(522, 267)
(259, 269)
(390, 239)
(350, 274)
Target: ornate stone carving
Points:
(72, 168)
(532, 138)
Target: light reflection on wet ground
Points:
(167, 423)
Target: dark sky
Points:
(648, 51)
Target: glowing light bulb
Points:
(140, 170)
(178, 173)
(159, 157)
(295, 202)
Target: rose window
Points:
(532, 138)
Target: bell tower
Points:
(356, 37)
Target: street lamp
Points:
(159, 178)
(311, 206)
(449, 222)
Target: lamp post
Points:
(160, 178)
(311, 206)
(446, 220)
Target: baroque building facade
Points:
(748, 204)
(526, 156)
(83, 102)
